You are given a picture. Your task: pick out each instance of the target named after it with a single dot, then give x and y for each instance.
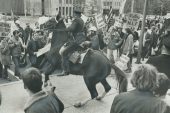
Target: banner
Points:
(100, 21)
(118, 23)
(132, 20)
(44, 50)
(5, 28)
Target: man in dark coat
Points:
(146, 43)
(77, 30)
(154, 40)
(40, 101)
(162, 62)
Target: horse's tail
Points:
(121, 77)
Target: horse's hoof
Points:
(77, 105)
(45, 84)
(50, 84)
(53, 89)
(99, 98)
(61, 74)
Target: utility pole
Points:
(132, 8)
(25, 8)
(142, 33)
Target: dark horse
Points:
(95, 67)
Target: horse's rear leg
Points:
(93, 92)
(107, 88)
(50, 70)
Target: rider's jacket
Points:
(77, 29)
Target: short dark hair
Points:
(128, 30)
(32, 80)
(15, 32)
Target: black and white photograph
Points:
(84, 56)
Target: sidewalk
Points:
(69, 89)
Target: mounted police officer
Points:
(77, 30)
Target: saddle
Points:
(78, 57)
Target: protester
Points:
(28, 33)
(15, 46)
(5, 54)
(114, 43)
(93, 38)
(154, 40)
(146, 43)
(40, 101)
(141, 99)
(21, 31)
(127, 48)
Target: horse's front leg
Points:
(93, 92)
(107, 88)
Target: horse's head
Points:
(54, 23)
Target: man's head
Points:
(32, 80)
(77, 12)
(119, 29)
(146, 29)
(27, 25)
(153, 28)
(16, 34)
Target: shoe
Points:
(128, 71)
(64, 73)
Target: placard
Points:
(44, 50)
(100, 21)
(132, 20)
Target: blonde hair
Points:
(145, 78)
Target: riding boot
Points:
(65, 65)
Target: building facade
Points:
(41, 7)
(114, 4)
(15, 6)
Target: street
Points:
(69, 89)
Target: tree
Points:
(159, 10)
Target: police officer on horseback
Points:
(77, 31)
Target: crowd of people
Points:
(14, 48)
(151, 80)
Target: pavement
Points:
(69, 89)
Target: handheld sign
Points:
(100, 21)
(132, 20)
(44, 50)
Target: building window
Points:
(59, 8)
(63, 10)
(70, 10)
(60, 1)
(70, 1)
(105, 3)
(66, 1)
(66, 10)
(108, 3)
